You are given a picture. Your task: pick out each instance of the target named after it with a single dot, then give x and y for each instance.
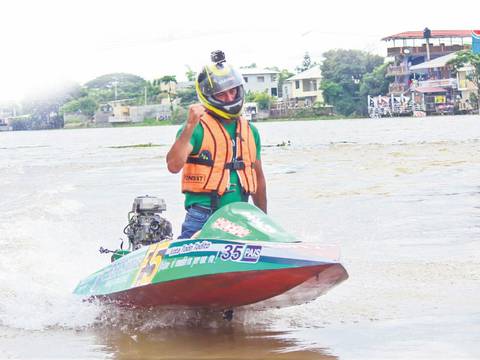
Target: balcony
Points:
(397, 70)
(439, 83)
(396, 88)
(422, 50)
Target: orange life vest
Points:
(209, 170)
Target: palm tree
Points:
(168, 80)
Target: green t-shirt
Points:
(230, 196)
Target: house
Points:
(304, 87)
(417, 47)
(4, 125)
(135, 114)
(467, 88)
(434, 85)
(423, 81)
(260, 80)
(185, 85)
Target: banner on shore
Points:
(476, 41)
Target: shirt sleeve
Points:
(258, 142)
(196, 139)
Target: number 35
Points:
(232, 252)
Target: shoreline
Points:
(172, 123)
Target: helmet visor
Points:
(220, 78)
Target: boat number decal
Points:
(150, 264)
(241, 253)
(230, 227)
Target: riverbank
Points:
(154, 122)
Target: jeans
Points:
(194, 220)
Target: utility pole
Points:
(145, 95)
(426, 35)
(115, 88)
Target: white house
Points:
(304, 86)
(260, 80)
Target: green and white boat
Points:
(240, 258)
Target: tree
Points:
(168, 80)
(282, 76)
(306, 64)
(117, 86)
(187, 96)
(44, 109)
(190, 74)
(250, 96)
(251, 66)
(464, 58)
(85, 105)
(342, 75)
(261, 98)
(374, 83)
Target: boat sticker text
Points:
(230, 227)
(187, 248)
(190, 261)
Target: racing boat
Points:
(240, 258)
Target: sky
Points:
(47, 42)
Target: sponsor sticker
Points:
(187, 248)
(230, 227)
(194, 178)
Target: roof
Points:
(430, 89)
(435, 63)
(257, 71)
(312, 73)
(434, 34)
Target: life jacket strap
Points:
(200, 161)
(214, 201)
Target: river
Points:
(400, 196)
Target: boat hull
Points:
(231, 290)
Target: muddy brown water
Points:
(399, 196)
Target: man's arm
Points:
(181, 148)
(260, 197)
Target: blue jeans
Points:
(194, 220)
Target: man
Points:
(217, 149)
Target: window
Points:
(297, 84)
(274, 78)
(261, 78)
(245, 79)
(309, 85)
(274, 91)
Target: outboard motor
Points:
(145, 225)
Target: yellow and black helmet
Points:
(216, 78)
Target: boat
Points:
(4, 125)
(240, 259)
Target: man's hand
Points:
(181, 148)
(195, 112)
(260, 197)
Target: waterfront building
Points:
(423, 82)
(260, 80)
(304, 87)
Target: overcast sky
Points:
(47, 42)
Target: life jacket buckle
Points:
(235, 165)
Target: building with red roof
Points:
(420, 68)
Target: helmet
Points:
(218, 77)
